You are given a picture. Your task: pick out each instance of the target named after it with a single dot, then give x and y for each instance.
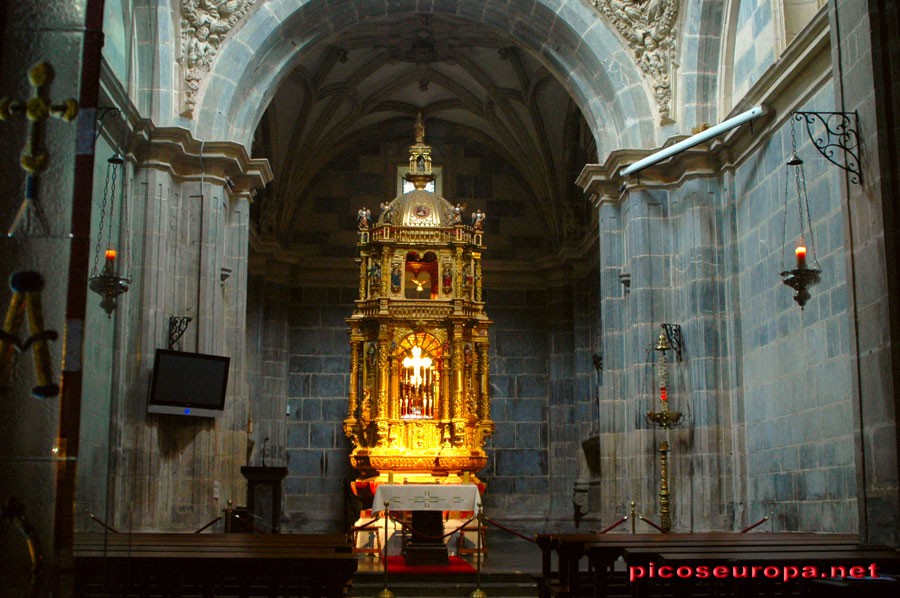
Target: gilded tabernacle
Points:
(419, 400)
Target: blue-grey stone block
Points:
(334, 410)
(321, 435)
(500, 485)
(306, 364)
(522, 462)
(330, 385)
(305, 317)
(531, 386)
(305, 462)
(312, 341)
(295, 485)
(532, 485)
(531, 435)
(504, 436)
(500, 387)
(526, 410)
(298, 435)
(312, 410)
(299, 385)
(784, 487)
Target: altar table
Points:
(427, 497)
(427, 503)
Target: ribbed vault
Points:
(369, 82)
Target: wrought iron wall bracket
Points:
(177, 326)
(676, 341)
(841, 132)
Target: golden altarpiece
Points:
(419, 400)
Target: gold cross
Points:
(34, 158)
(417, 362)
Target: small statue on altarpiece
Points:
(478, 220)
(396, 277)
(375, 276)
(386, 214)
(363, 216)
(456, 214)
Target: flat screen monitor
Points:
(190, 384)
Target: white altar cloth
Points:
(427, 497)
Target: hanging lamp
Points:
(108, 284)
(802, 276)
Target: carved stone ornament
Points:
(648, 27)
(204, 25)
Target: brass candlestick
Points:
(665, 419)
(665, 519)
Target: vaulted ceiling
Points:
(371, 82)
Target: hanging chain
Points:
(787, 178)
(805, 201)
(110, 174)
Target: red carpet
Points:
(397, 565)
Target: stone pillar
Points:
(867, 71)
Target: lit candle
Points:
(111, 257)
(801, 256)
(663, 395)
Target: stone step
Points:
(495, 585)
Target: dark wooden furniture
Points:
(221, 565)
(264, 495)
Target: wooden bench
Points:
(240, 565)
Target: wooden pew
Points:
(239, 565)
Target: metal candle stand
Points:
(664, 419)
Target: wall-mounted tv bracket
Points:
(177, 326)
(841, 132)
(676, 341)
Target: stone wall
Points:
(795, 364)
(766, 387)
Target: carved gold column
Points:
(363, 276)
(458, 385)
(474, 393)
(384, 375)
(458, 275)
(354, 380)
(395, 387)
(484, 405)
(477, 256)
(386, 256)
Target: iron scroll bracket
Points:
(177, 326)
(831, 132)
(676, 341)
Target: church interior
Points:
(626, 267)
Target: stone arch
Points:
(700, 82)
(570, 39)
